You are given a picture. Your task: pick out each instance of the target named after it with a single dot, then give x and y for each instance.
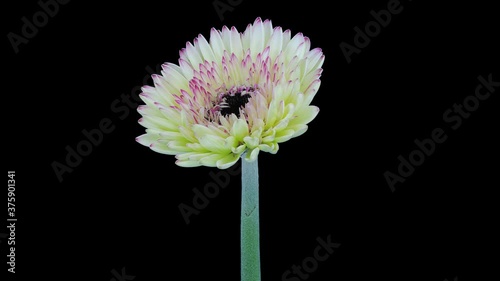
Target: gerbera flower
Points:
(232, 94)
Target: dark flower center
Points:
(231, 103)
(228, 102)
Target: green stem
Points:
(250, 245)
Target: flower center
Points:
(229, 102)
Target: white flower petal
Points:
(201, 130)
(157, 123)
(282, 124)
(187, 163)
(230, 143)
(226, 38)
(313, 88)
(252, 154)
(179, 146)
(149, 111)
(246, 38)
(287, 35)
(216, 43)
(171, 135)
(147, 139)
(276, 42)
(172, 117)
(174, 78)
(268, 30)
(164, 91)
(293, 46)
(311, 76)
(227, 161)
(187, 68)
(214, 143)
(240, 129)
(251, 142)
(188, 134)
(315, 59)
(305, 115)
(270, 148)
(239, 150)
(191, 54)
(284, 135)
(205, 49)
(299, 130)
(192, 156)
(211, 160)
(258, 37)
(236, 46)
(162, 148)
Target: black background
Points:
(119, 207)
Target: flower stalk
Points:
(250, 244)
(232, 96)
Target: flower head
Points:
(235, 93)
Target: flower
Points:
(235, 93)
